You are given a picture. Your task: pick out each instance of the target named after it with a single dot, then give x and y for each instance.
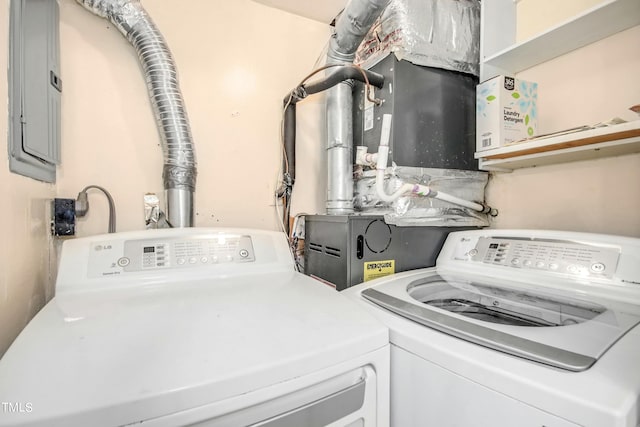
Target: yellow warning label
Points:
(376, 269)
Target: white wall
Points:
(586, 86)
(236, 61)
(25, 284)
(310, 190)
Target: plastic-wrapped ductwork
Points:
(411, 210)
(435, 33)
(351, 27)
(179, 172)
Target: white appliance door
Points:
(346, 400)
(425, 394)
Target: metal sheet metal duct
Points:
(351, 27)
(179, 172)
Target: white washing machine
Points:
(202, 327)
(515, 328)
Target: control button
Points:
(540, 264)
(597, 267)
(515, 261)
(192, 260)
(573, 269)
(181, 261)
(160, 264)
(527, 263)
(124, 261)
(214, 259)
(473, 252)
(554, 266)
(204, 260)
(229, 257)
(244, 253)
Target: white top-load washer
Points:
(194, 327)
(515, 328)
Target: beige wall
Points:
(536, 16)
(236, 61)
(24, 246)
(586, 86)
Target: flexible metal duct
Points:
(179, 172)
(351, 27)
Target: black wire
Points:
(286, 192)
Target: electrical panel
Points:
(34, 89)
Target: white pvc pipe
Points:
(404, 188)
(458, 201)
(417, 189)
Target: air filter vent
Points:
(332, 251)
(315, 247)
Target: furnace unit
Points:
(344, 250)
(434, 115)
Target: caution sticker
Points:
(376, 269)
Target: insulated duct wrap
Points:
(179, 172)
(412, 210)
(435, 33)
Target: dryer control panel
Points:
(168, 253)
(171, 256)
(547, 254)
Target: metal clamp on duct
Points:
(179, 172)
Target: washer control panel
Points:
(169, 253)
(544, 254)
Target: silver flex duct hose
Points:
(351, 27)
(179, 172)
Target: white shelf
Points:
(584, 145)
(608, 18)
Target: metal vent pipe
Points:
(179, 172)
(351, 27)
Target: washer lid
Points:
(104, 358)
(567, 332)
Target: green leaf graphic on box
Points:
(490, 98)
(516, 95)
(530, 131)
(526, 119)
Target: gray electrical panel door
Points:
(34, 89)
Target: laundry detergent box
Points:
(506, 112)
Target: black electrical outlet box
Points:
(63, 217)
